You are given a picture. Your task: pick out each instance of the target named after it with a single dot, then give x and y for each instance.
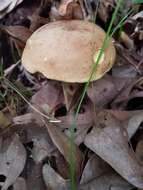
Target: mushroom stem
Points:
(69, 91)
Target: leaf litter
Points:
(34, 152)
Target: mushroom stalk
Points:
(70, 91)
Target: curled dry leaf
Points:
(7, 6)
(109, 140)
(98, 175)
(53, 180)
(12, 160)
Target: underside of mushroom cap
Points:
(67, 50)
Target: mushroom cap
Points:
(67, 50)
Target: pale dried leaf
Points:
(34, 178)
(63, 143)
(109, 181)
(4, 4)
(12, 160)
(109, 140)
(53, 180)
(139, 151)
(83, 123)
(41, 148)
(7, 6)
(94, 168)
(103, 91)
(98, 175)
(131, 120)
(50, 94)
(134, 123)
(20, 184)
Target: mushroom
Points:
(66, 51)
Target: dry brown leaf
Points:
(98, 175)
(34, 178)
(63, 143)
(94, 168)
(20, 33)
(37, 134)
(131, 120)
(139, 151)
(20, 184)
(109, 140)
(53, 180)
(41, 148)
(104, 90)
(12, 160)
(83, 123)
(51, 95)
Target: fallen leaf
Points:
(20, 184)
(7, 6)
(41, 148)
(19, 33)
(83, 123)
(63, 143)
(12, 160)
(98, 175)
(51, 95)
(131, 120)
(94, 168)
(104, 90)
(34, 178)
(109, 140)
(53, 180)
(139, 151)
(4, 4)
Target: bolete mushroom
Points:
(66, 51)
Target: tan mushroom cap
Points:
(67, 50)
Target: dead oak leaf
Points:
(12, 160)
(19, 34)
(109, 140)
